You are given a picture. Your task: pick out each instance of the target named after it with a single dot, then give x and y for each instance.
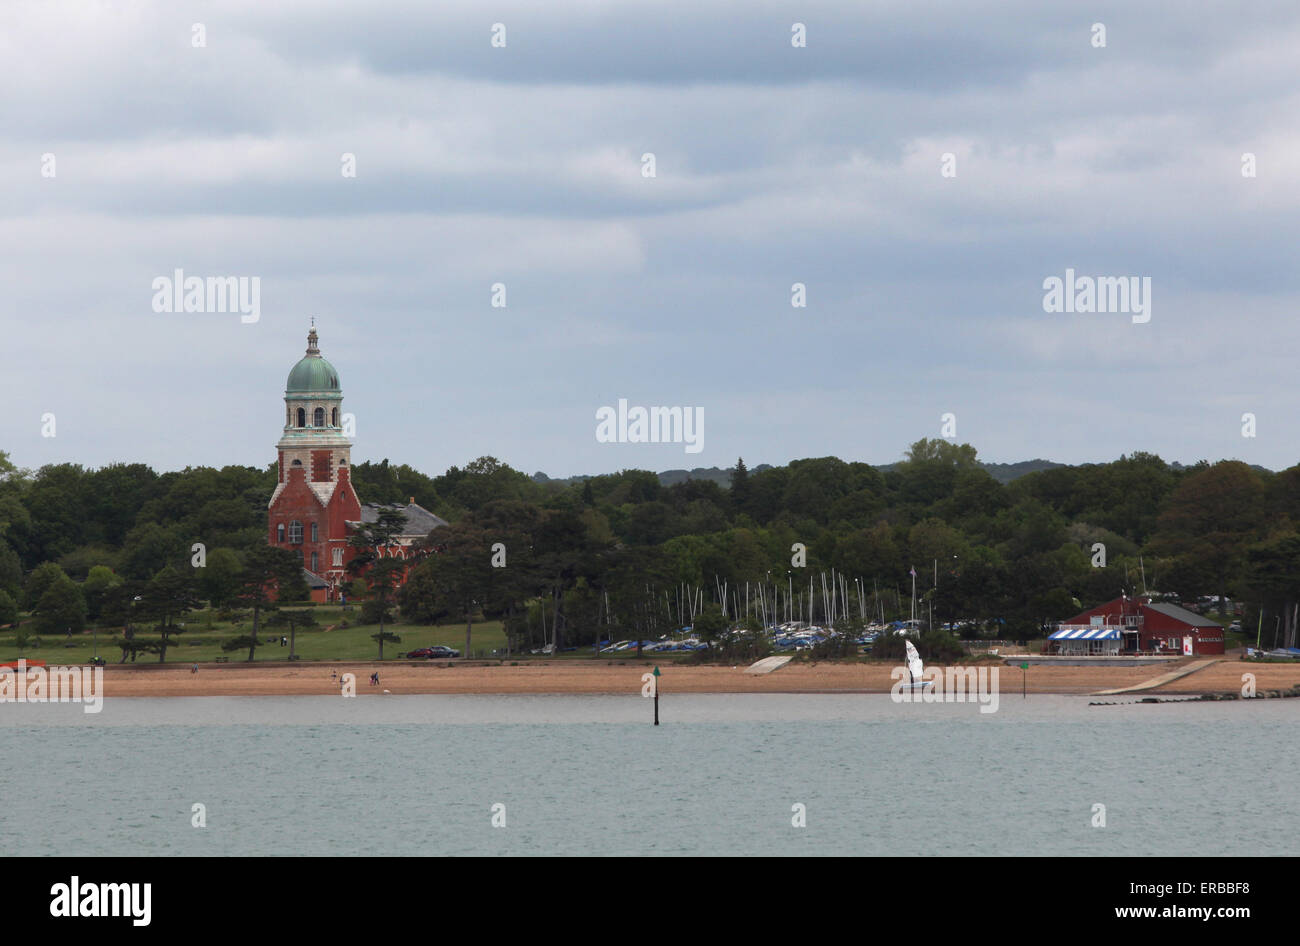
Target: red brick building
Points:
(1132, 625)
(314, 506)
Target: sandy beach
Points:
(571, 676)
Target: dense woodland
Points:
(623, 555)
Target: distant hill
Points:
(1006, 472)
(1002, 472)
(667, 477)
(721, 477)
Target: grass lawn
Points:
(204, 635)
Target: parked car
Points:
(436, 652)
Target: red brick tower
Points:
(314, 499)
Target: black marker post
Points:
(656, 673)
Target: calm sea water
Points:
(393, 775)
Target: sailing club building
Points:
(1137, 626)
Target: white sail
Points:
(914, 665)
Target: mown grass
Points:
(201, 641)
(204, 634)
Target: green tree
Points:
(11, 570)
(265, 568)
(8, 608)
(150, 547)
(294, 588)
(483, 481)
(461, 573)
(741, 489)
(381, 637)
(1207, 524)
(96, 586)
(169, 596)
(61, 608)
(932, 470)
(116, 493)
(39, 581)
(375, 544)
(565, 551)
(709, 624)
(119, 602)
(78, 563)
(1274, 575)
(219, 580)
(292, 619)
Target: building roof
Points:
(312, 373)
(419, 521)
(313, 580)
(1182, 614)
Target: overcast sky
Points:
(774, 165)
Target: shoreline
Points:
(576, 678)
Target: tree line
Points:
(567, 563)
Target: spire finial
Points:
(312, 339)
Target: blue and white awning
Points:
(1086, 634)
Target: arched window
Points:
(334, 417)
(302, 417)
(295, 533)
(313, 562)
(318, 418)
(313, 533)
(279, 532)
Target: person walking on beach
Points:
(374, 679)
(195, 668)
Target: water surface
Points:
(396, 775)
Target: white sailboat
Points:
(914, 670)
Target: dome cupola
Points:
(312, 373)
(316, 438)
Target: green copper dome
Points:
(312, 373)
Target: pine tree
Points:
(383, 572)
(741, 488)
(265, 569)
